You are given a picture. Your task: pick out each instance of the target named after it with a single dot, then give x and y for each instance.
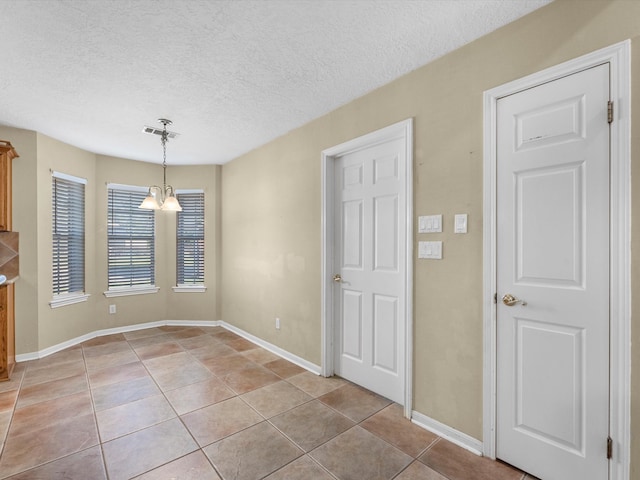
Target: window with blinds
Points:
(68, 234)
(131, 239)
(190, 239)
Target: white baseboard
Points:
(193, 323)
(301, 362)
(24, 357)
(454, 436)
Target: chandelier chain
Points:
(164, 146)
(162, 198)
(164, 154)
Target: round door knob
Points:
(509, 300)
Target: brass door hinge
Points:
(609, 448)
(610, 111)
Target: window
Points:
(190, 241)
(130, 242)
(68, 239)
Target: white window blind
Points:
(68, 234)
(131, 239)
(190, 241)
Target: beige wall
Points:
(37, 325)
(263, 214)
(271, 204)
(270, 245)
(135, 308)
(166, 304)
(25, 212)
(200, 306)
(60, 324)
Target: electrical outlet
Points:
(277, 323)
(112, 309)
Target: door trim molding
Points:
(618, 56)
(404, 130)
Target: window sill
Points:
(68, 299)
(124, 292)
(190, 289)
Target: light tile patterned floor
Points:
(205, 404)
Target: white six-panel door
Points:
(370, 238)
(553, 255)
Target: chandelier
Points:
(162, 198)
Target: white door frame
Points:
(618, 56)
(403, 130)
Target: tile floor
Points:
(196, 403)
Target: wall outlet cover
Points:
(460, 223)
(430, 224)
(431, 250)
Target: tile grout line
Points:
(200, 448)
(268, 420)
(95, 415)
(21, 384)
(162, 392)
(434, 468)
(264, 419)
(179, 417)
(13, 412)
(236, 395)
(90, 388)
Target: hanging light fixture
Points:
(162, 198)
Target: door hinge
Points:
(610, 111)
(495, 298)
(609, 448)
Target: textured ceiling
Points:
(231, 74)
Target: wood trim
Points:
(7, 295)
(7, 337)
(6, 147)
(5, 196)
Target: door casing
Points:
(618, 56)
(404, 130)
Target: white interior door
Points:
(553, 253)
(369, 246)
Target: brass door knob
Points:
(337, 278)
(509, 300)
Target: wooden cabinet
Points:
(7, 153)
(7, 333)
(7, 314)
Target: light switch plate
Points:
(460, 223)
(430, 224)
(432, 250)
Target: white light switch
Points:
(430, 224)
(460, 223)
(432, 250)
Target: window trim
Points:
(70, 178)
(189, 287)
(126, 291)
(123, 291)
(69, 298)
(64, 299)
